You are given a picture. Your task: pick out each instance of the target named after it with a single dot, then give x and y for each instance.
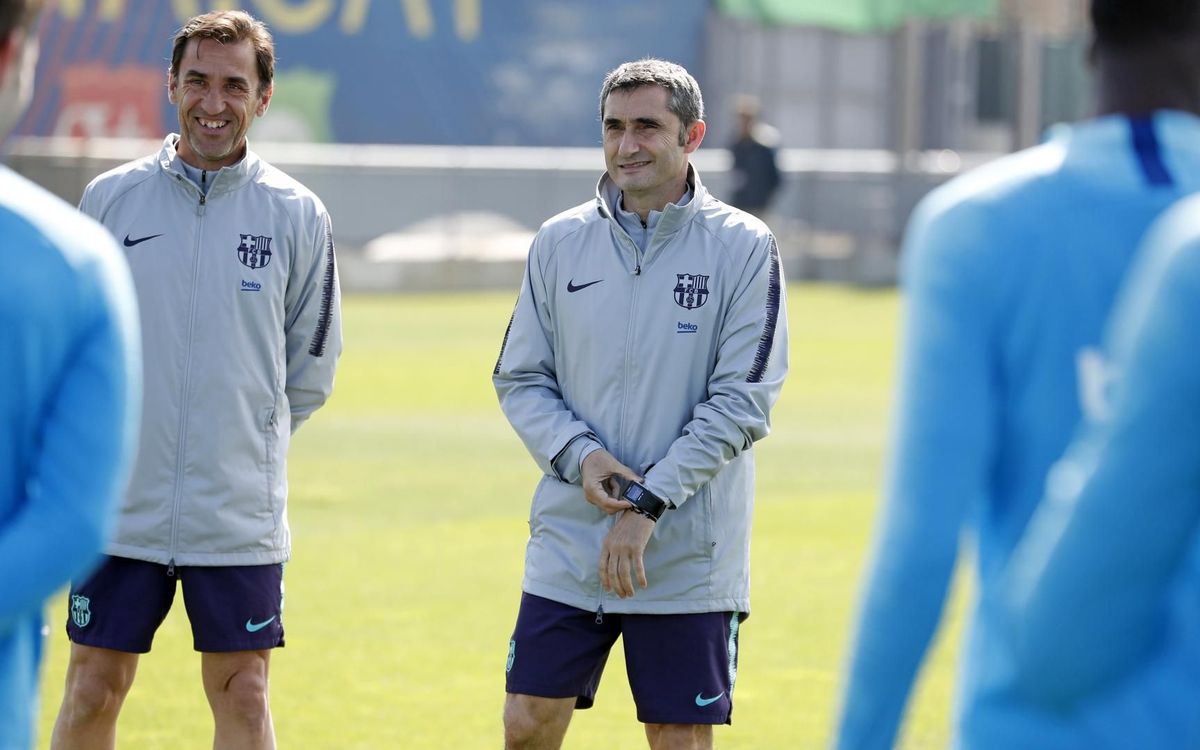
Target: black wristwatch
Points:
(644, 501)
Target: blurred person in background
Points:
(1105, 585)
(233, 262)
(650, 332)
(1010, 273)
(68, 392)
(755, 172)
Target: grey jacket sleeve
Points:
(89, 203)
(313, 323)
(752, 361)
(526, 382)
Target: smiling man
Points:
(648, 344)
(233, 264)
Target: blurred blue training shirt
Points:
(70, 374)
(1010, 273)
(1106, 584)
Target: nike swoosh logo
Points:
(701, 701)
(131, 243)
(572, 288)
(254, 627)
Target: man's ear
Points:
(695, 134)
(264, 100)
(171, 87)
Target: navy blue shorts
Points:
(681, 668)
(234, 608)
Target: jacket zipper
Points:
(637, 272)
(183, 412)
(637, 251)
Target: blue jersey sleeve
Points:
(1088, 586)
(940, 457)
(84, 435)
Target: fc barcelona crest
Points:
(255, 251)
(80, 613)
(691, 291)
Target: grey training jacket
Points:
(241, 332)
(672, 358)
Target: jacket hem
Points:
(199, 559)
(590, 601)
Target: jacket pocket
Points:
(684, 543)
(269, 426)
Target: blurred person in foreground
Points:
(1105, 585)
(755, 172)
(233, 262)
(68, 392)
(650, 332)
(1010, 273)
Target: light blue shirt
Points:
(201, 178)
(1010, 273)
(1106, 584)
(641, 231)
(69, 393)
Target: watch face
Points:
(634, 492)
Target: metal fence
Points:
(414, 218)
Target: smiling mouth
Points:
(634, 165)
(211, 124)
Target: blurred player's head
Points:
(1128, 24)
(18, 58)
(221, 78)
(1147, 55)
(746, 107)
(684, 99)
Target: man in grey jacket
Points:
(233, 264)
(643, 426)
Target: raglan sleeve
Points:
(1088, 584)
(750, 367)
(90, 203)
(85, 442)
(313, 322)
(941, 448)
(526, 379)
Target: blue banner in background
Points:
(467, 72)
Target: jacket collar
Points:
(226, 180)
(673, 216)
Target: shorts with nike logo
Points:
(122, 604)
(681, 668)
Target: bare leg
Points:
(679, 736)
(533, 723)
(236, 686)
(98, 679)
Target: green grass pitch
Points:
(409, 499)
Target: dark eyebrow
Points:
(608, 121)
(193, 73)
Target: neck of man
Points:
(185, 153)
(642, 205)
(1142, 81)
